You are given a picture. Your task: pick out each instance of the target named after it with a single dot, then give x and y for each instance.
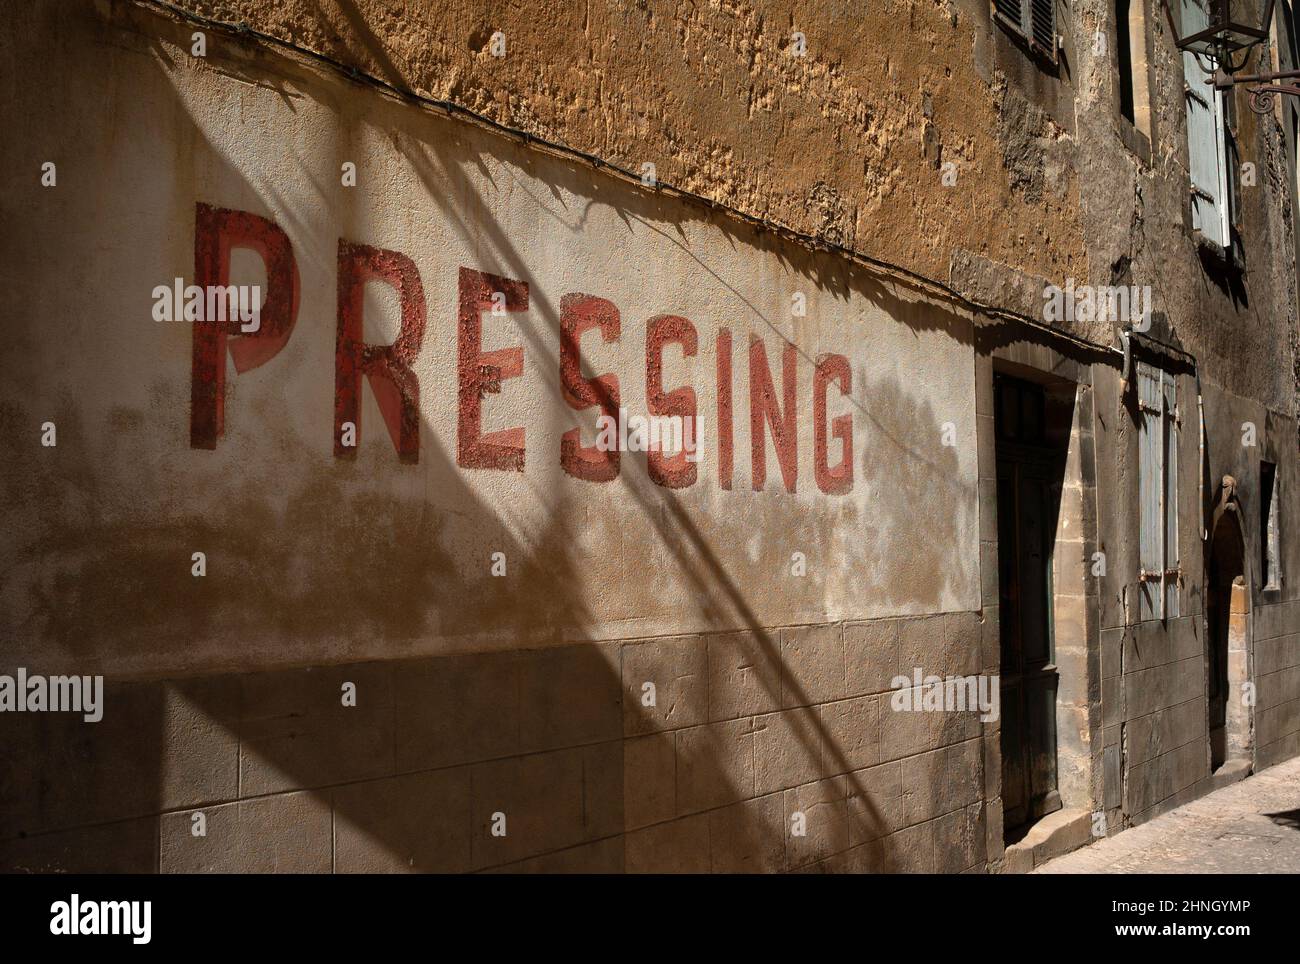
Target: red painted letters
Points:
(676, 471)
(837, 480)
(216, 232)
(580, 313)
(783, 419)
(388, 367)
(483, 372)
(725, 436)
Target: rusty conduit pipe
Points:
(1124, 379)
(1200, 465)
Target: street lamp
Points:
(1221, 29)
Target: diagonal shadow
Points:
(338, 560)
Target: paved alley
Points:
(1251, 827)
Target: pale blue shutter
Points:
(1172, 565)
(1205, 148)
(1150, 491)
(1158, 494)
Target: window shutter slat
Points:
(1032, 20)
(1042, 15)
(1010, 10)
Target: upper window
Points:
(1211, 146)
(1295, 149)
(1131, 62)
(1034, 21)
(1158, 484)
(1270, 557)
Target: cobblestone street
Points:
(1251, 827)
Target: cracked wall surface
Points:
(849, 143)
(846, 143)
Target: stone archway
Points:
(1227, 619)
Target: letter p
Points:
(216, 232)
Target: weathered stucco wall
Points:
(313, 557)
(846, 142)
(849, 142)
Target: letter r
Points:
(387, 367)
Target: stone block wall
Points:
(747, 731)
(1277, 682)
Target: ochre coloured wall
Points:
(846, 142)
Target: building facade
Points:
(637, 436)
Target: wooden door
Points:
(1029, 474)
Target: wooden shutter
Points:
(1150, 491)
(1172, 565)
(1042, 25)
(1158, 494)
(1034, 20)
(1206, 161)
(1274, 537)
(1011, 12)
(1232, 164)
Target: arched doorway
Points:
(1227, 617)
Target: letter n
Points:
(388, 368)
(782, 418)
(216, 232)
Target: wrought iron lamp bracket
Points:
(1263, 87)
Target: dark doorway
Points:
(1031, 465)
(1225, 617)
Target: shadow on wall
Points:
(1286, 818)
(555, 739)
